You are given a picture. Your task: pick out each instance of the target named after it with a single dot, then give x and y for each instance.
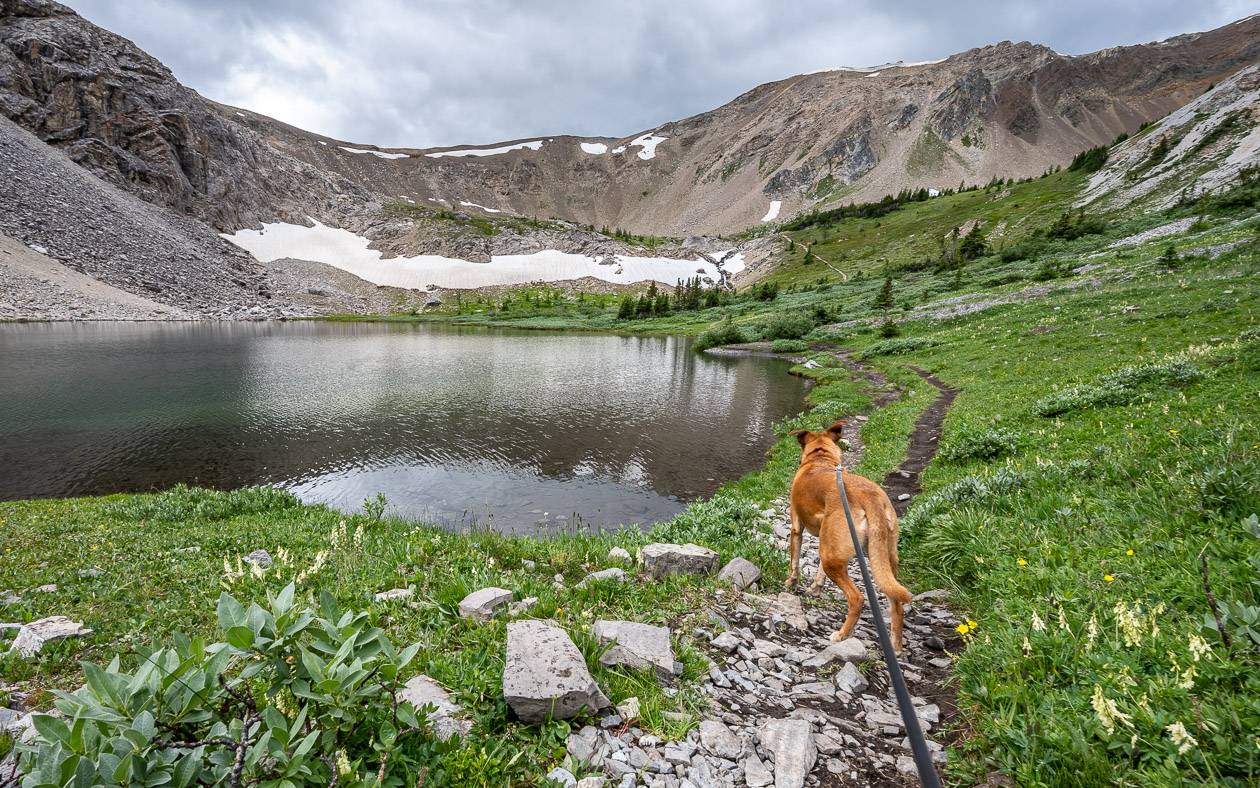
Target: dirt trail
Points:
(924, 440)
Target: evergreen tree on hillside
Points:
(626, 310)
(884, 299)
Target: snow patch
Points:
(648, 143)
(349, 252)
(594, 148)
(773, 213)
(482, 207)
(321, 142)
(533, 145)
(619, 149)
(377, 153)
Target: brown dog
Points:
(816, 507)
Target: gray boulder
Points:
(545, 675)
(483, 604)
(259, 558)
(638, 647)
(719, 740)
(851, 680)
(660, 560)
(445, 719)
(32, 637)
(740, 573)
(788, 608)
(792, 743)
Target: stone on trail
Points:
(850, 649)
(740, 573)
(660, 560)
(614, 574)
(792, 743)
(851, 680)
(788, 608)
(445, 719)
(719, 740)
(545, 676)
(755, 773)
(483, 604)
(727, 641)
(32, 637)
(559, 776)
(638, 647)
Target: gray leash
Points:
(918, 744)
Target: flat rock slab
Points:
(740, 573)
(445, 719)
(545, 675)
(848, 650)
(660, 560)
(32, 637)
(638, 647)
(792, 743)
(851, 680)
(483, 604)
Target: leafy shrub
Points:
(1070, 226)
(181, 502)
(979, 444)
(725, 333)
(1118, 388)
(293, 697)
(788, 346)
(896, 347)
(787, 325)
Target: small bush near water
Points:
(789, 346)
(787, 325)
(725, 333)
(979, 445)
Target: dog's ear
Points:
(800, 436)
(836, 430)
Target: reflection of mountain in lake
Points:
(441, 420)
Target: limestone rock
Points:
(629, 709)
(755, 773)
(660, 560)
(788, 608)
(32, 637)
(394, 593)
(523, 606)
(848, 650)
(638, 647)
(259, 558)
(792, 743)
(614, 574)
(445, 719)
(719, 740)
(851, 680)
(740, 573)
(545, 675)
(483, 604)
(564, 777)
(620, 554)
(727, 641)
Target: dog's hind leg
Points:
(794, 551)
(835, 563)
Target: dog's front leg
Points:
(794, 553)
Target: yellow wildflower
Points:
(1022, 562)
(1108, 578)
(962, 629)
(1129, 552)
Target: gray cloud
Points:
(446, 72)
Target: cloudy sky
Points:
(447, 72)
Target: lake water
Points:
(513, 430)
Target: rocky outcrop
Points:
(637, 647)
(482, 605)
(660, 560)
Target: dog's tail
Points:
(881, 547)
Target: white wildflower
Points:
(1130, 623)
(1108, 713)
(1091, 632)
(1037, 624)
(1181, 737)
(1198, 647)
(1063, 624)
(1027, 647)
(1187, 678)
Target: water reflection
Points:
(457, 424)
